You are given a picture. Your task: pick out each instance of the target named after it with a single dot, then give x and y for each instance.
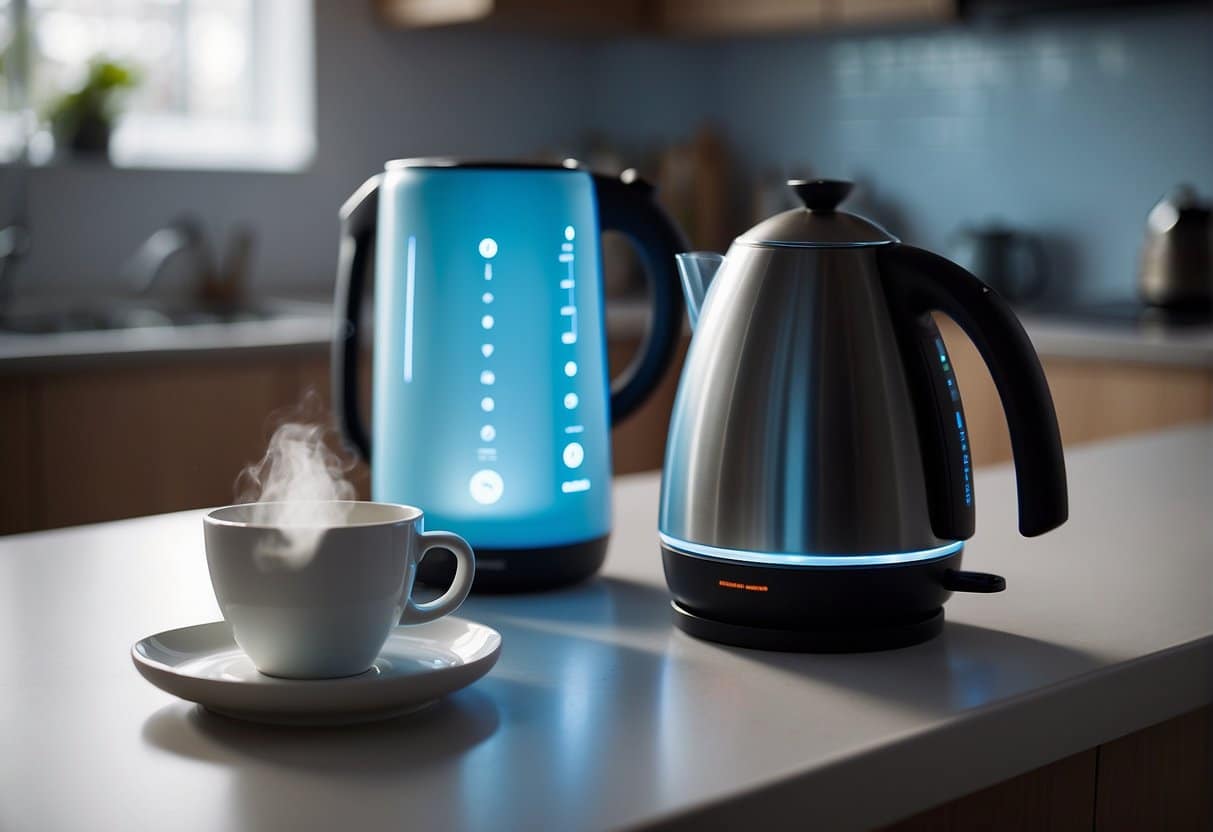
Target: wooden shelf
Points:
(614, 17)
(668, 17)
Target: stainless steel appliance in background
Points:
(1177, 256)
(818, 480)
(1010, 261)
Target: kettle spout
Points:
(698, 269)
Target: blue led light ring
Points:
(795, 559)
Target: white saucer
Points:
(418, 665)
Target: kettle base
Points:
(500, 571)
(848, 638)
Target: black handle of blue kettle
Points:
(921, 282)
(626, 205)
(355, 260)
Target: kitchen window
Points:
(225, 84)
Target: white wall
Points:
(381, 94)
(1068, 125)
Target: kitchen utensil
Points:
(817, 484)
(1010, 262)
(417, 666)
(318, 600)
(491, 401)
(1177, 256)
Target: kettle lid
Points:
(819, 223)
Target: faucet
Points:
(15, 236)
(219, 284)
(14, 244)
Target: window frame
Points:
(280, 137)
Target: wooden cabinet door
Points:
(17, 460)
(1099, 400)
(126, 442)
(638, 442)
(217, 419)
(1059, 796)
(733, 17)
(1094, 399)
(1159, 778)
(878, 12)
(99, 451)
(541, 15)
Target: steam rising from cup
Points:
(294, 487)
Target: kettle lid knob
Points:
(821, 195)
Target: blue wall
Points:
(1071, 126)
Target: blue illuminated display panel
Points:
(491, 409)
(962, 431)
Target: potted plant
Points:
(82, 121)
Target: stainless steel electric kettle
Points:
(818, 479)
(1176, 267)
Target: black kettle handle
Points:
(922, 282)
(626, 205)
(355, 260)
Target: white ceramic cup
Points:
(318, 600)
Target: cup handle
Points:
(449, 601)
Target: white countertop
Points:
(307, 329)
(1056, 337)
(599, 714)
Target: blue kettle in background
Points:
(492, 406)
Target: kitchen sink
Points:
(120, 315)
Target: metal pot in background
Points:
(1011, 262)
(1177, 257)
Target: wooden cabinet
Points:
(638, 443)
(728, 17)
(706, 17)
(674, 17)
(123, 442)
(1157, 778)
(113, 442)
(1095, 399)
(17, 466)
(543, 15)
(881, 12)
(1059, 796)
(104, 444)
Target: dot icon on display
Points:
(488, 433)
(487, 297)
(488, 248)
(573, 455)
(487, 322)
(487, 377)
(570, 400)
(570, 368)
(486, 487)
(486, 350)
(487, 404)
(569, 233)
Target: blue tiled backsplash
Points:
(1069, 126)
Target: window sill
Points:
(150, 143)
